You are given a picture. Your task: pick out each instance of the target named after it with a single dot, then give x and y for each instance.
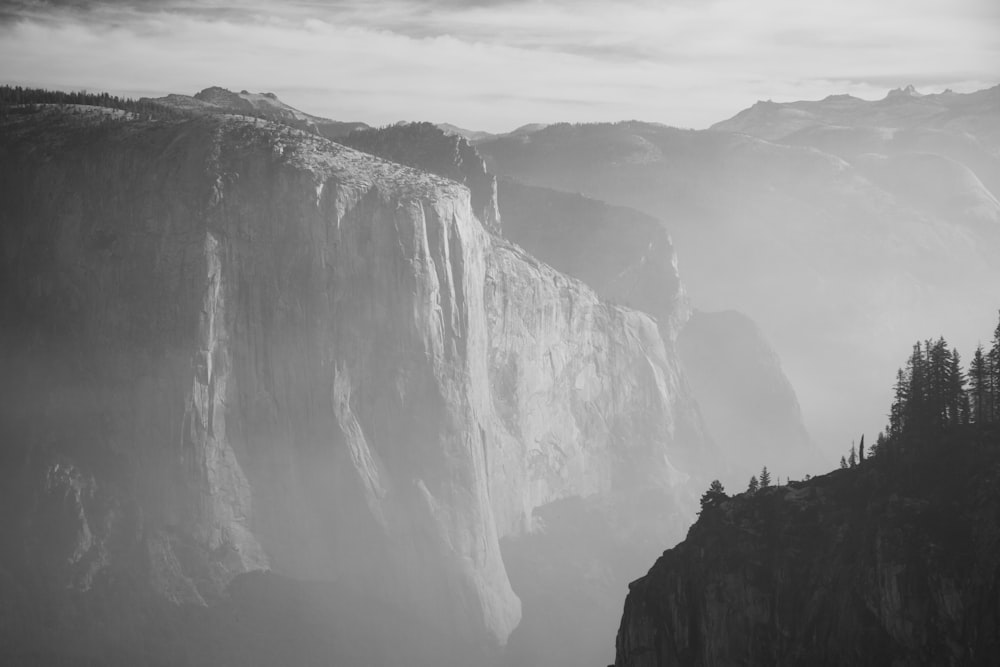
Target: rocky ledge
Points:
(893, 562)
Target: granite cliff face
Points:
(750, 408)
(626, 256)
(837, 225)
(893, 562)
(236, 346)
(427, 147)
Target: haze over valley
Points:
(515, 381)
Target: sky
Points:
(497, 64)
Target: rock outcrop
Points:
(427, 147)
(893, 562)
(235, 346)
(625, 255)
(824, 246)
(749, 407)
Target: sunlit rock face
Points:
(838, 225)
(625, 255)
(258, 349)
(429, 148)
(749, 407)
(892, 562)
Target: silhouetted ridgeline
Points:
(892, 561)
(15, 99)
(211, 101)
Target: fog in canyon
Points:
(278, 388)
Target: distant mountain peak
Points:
(216, 99)
(908, 91)
(471, 135)
(842, 97)
(478, 136)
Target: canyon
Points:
(232, 346)
(278, 387)
(839, 226)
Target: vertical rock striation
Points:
(427, 147)
(282, 353)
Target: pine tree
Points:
(861, 449)
(993, 359)
(879, 446)
(765, 478)
(897, 414)
(917, 394)
(714, 496)
(843, 463)
(753, 486)
(979, 387)
(852, 459)
(958, 400)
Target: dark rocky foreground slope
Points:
(231, 346)
(894, 562)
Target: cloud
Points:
(496, 64)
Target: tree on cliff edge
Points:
(714, 496)
(993, 359)
(979, 387)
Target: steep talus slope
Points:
(236, 346)
(893, 562)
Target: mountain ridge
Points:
(216, 99)
(817, 232)
(349, 394)
(869, 566)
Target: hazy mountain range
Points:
(841, 226)
(468, 390)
